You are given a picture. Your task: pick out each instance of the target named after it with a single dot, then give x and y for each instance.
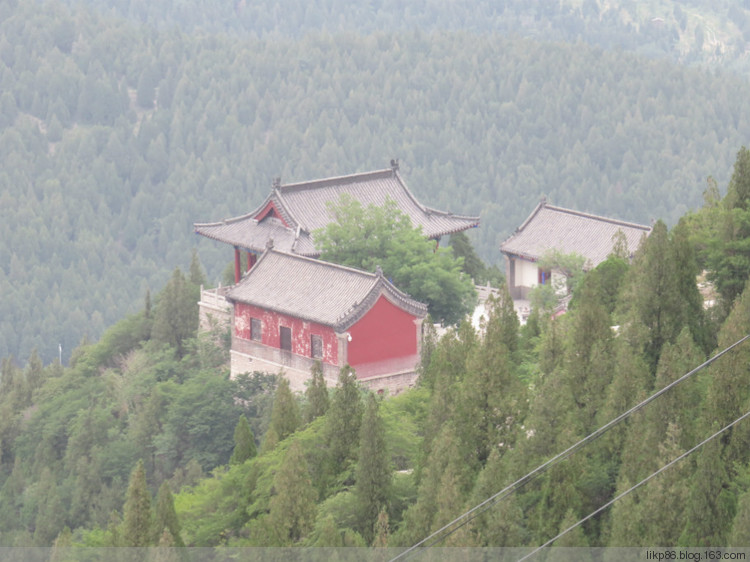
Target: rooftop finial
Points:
(543, 200)
(277, 182)
(269, 244)
(378, 271)
(394, 164)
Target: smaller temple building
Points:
(549, 227)
(290, 311)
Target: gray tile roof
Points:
(591, 236)
(246, 232)
(317, 291)
(303, 206)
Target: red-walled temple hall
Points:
(288, 309)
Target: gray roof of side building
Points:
(304, 208)
(549, 227)
(317, 291)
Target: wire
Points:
(472, 513)
(626, 492)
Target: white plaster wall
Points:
(527, 273)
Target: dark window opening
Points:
(256, 329)
(286, 338)
(544, 276)
(316, 347)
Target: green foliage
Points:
(292, 509)
(176, 316)
(373, 472)
(137, 523)
(244, 442)
(105, 202)
(165, 518)
(316, 394)
(570, 266)
(368, 237)
(285, 417)
(343, 421)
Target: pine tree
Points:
(373, 473)
(316, 394)
(166, 517)
(244, 442)
(137, 516)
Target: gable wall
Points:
(385, 332)
(270, 210)
(301, 331)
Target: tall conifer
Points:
(343, 420)
(137, 516)
(285, 418)
(166, 516)
(316, 394)
(244, 442)
(373, 471)
(292, 509)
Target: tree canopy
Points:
(372, 236)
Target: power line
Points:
(626, 492)
(478, 509)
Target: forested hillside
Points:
(116, 136)
(697, 31)
(116, 449)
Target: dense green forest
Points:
(697, 31)
(122, 126)
(144, 440)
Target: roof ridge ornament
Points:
(394, 164)
(277, 182)
(379, 271)
(269, 244)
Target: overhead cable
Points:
(626, 492)
(478, 509)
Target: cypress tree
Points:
(176, 317)
(137, 516)
(740, 535)
(285, 418)
(373, 471)
(49, 519)
(492, 399)
(381, 530)
(166, 517)
(316, 394)
(292, 509)
(244, 442)
(710, 506)
(343, 421)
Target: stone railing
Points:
(214, 311)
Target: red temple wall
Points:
(385, 332)
(301, 331)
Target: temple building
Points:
(288, 309)
(292, 212)
(555, 228)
